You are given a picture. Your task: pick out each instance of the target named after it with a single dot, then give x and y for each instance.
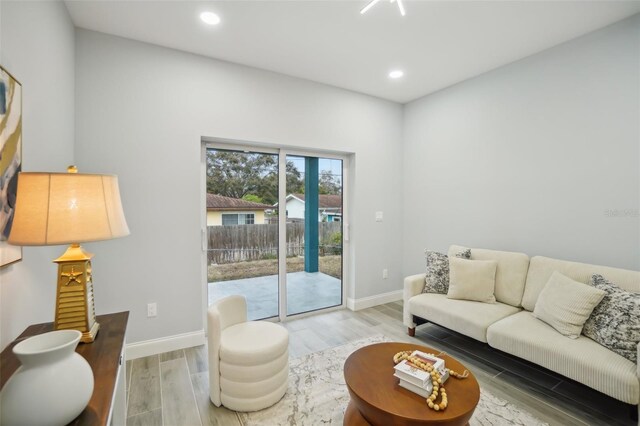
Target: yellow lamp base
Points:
(90, 336)
(74, 298)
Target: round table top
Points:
(369, 376)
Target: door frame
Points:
(282, 151)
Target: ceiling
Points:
(437, 43)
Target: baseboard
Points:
(197, 338)
(164, 344)
(378, 299)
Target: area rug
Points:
(317, 395)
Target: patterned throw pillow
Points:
(615, 322)
(437, 277)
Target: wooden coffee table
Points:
(377, 398)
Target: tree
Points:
(329, 183)
(295, 183)
(249, 176)
(253, 198)
(236, 174)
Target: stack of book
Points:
(417, 380)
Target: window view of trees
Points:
(254, 177)
(328, 183)
(243, 242)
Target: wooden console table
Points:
(106, 358)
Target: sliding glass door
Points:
(275, 230)
(242, 229)
(314, 234)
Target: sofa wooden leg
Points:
(411, 331)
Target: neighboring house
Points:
(234, 211)
(329, 210)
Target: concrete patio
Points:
(305, 292)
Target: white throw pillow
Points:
(472, 279)
(566, 304)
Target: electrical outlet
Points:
(379, 216)
(385, 274)
(152, 310)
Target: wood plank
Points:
(178, 400)
(395, 333)
(168, 356)
(358, 328)
(197, 359)
(329, 331)
(211, 415)
(392, 313)
(364, 315)
(296, 325)
(309, 342)
(296, 347)
(396, 306)
(150, 418)
(128, 374)
(526, 401)
(144, 393)
(589, 414)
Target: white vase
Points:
(53, 385)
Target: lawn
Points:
(330, 265)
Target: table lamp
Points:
(69, 208)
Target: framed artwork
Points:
(10, 160)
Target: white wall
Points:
(295, 209)
(529, 157)
(37, 47)
(141, 113)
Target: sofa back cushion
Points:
(541, 268)
(511, 272)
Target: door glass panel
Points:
(242, 229)
(314, 233)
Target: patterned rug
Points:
(318, 395)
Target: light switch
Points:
(378, 216)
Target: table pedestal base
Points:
(352, 416)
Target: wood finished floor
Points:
(172, 389)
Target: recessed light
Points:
(396, 74)
(373, 3)
(210, 18)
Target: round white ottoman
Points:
(254, 365)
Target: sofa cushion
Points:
(437, 275)
(464, 316)
(566, 304)
(511, 272)
(472, 280)
(541, 268)
(615, 322)
(581, 359)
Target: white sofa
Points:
(508, 325)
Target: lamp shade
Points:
(67, 208)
